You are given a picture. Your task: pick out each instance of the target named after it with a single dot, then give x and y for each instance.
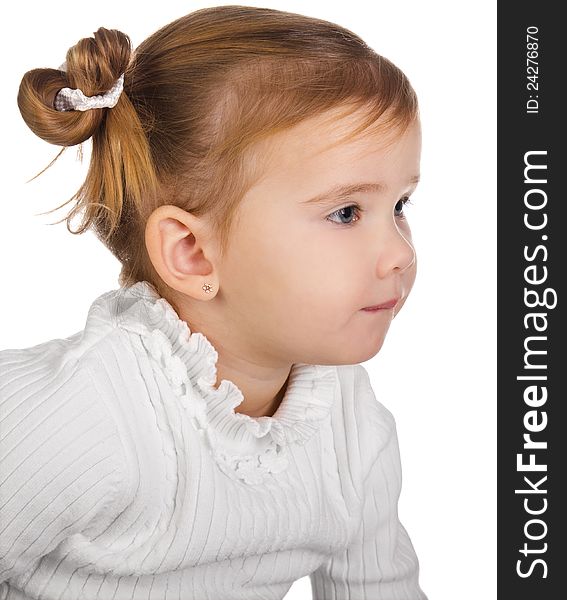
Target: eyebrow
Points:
(341, 192)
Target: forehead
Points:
(322, 143)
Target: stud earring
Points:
(207, 287)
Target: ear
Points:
(179, 247)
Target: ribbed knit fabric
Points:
(125, 474)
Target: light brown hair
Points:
(199, 94)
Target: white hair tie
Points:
(74, 99)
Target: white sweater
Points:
(125, 474)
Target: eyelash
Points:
(359, 210)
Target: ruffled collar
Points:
(248, 448)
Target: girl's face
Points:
(299, 272)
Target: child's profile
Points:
(211, 433)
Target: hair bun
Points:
(93, 66)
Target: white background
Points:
(437, 369)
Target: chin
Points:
(365, 350)
(374, 351)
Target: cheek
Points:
(297, 271)
(304, 278)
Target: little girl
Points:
(210, 434)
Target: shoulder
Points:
(57, 373)
(62, 371)
(59, 443)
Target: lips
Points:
(389, 304)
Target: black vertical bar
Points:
(532, 269)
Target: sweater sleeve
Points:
(60, 463)
(380, 563)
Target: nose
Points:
(396, 252)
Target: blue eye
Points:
(349, 210)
